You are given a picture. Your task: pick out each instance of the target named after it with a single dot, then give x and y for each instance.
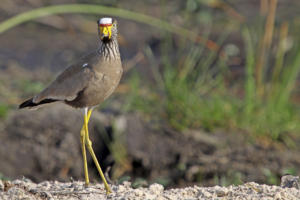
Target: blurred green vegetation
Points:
(3, 110)
(3, 178)
(194, 91)
(30, 87)
(271, 177)
(231, 178)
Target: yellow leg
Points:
(89, 146)
(82, 140)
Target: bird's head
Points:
(107, 29)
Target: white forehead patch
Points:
(106, 20)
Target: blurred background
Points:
(210, 93)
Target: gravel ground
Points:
(25, 189)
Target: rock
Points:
(289, 181)
(221, 192)
(205, 194)
(150, 196)
(120, 189)
(138, 193)
(277, 196)
(156, 188)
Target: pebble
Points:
(161, 198)
(46, 195)
(277, 196)
(156, 188)
(126, 183)
(138, 192)
(45, 184)
(290, 181)
(150, 196)
(17, 182)
(121, 188)
(171, 197)
(221, 192)
(77, 187)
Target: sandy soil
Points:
(25, 189)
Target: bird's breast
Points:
(104, 84)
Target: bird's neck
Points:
(109, 50)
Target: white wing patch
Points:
(85, 64)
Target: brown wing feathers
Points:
(65, 88)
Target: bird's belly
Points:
(102, 92)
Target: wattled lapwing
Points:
(87, 83)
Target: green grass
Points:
(270, 113)
(230, 178)
(3, 178)
(30, 87)
(3, 110)
(271, 178)
(193, 93)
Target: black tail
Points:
(30, 104)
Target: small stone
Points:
(206, 194)
(156, 188)
(150, 196)
(89, 189)
(121, 188)
(17, 182)
(18, 193)
(33, 191)
(171, 197)
(45, 184)
(277, 196)
(26, 180)
(289, 181)
(127, 184)
(221, 192)
(45, 194)
(138, 192)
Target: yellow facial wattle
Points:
(105, 31)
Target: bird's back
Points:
(106, 75)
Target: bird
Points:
(85, 84)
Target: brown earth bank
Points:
(45, 145)
(25, 189)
